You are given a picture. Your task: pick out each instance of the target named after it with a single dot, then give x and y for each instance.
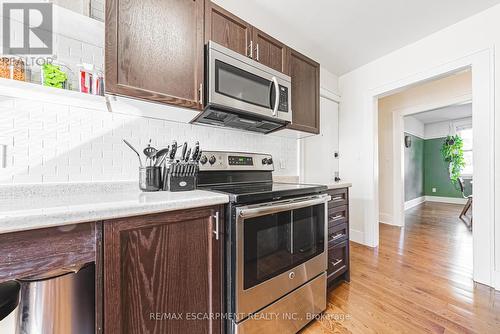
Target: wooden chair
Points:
(467, 206)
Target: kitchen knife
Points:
(188, 154)
(173, 152)
(184, 149)
(196, 150)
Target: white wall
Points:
(443, 129)
(414, 126)
(358, 122)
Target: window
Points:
(466, 133)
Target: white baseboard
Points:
(450, 200)
(385, 218)
(414, 202)
(357, 236)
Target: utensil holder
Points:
(150, 178)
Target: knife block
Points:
(181, 177)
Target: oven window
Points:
(278, 242)
(242, 85)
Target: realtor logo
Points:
(27, 28)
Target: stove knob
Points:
(203, 160)
(270, 161)
(264, 161)
(212, 160)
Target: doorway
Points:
(479, 67)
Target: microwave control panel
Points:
(283, 106)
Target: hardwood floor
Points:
(419, 280)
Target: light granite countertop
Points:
(338, 185)
(39, 206)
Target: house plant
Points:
(453, 154)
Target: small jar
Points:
(5, 68)
(19, 70)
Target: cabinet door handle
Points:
(251, 49)
(201, 94)
(257, 52)
(337, 261)
(216, 231)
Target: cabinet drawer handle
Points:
(337, 262)
(337, 236)
(338, 198)
(337, 217)
(216, 232)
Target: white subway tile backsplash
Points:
(57, 143)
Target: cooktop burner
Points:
(253, 192)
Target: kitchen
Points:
(163, 185)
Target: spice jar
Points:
(19, 70)
(5, 68)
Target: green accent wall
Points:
(436, 172)
(414, 168)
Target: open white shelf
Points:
(32, 91)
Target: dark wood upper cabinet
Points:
(168, 263)
(154, 50)
(227, 29)
(305, 93)
(269, 51)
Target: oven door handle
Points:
(268, 209)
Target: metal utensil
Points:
(136, 152)
(161, 155)
(150, 152)
(188, 154)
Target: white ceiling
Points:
(445, 114)
(345, 34)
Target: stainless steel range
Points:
(276, 244)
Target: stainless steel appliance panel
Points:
(259, 286)
(238, 82)
(290, 313)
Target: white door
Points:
(317, 159)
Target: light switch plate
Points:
(282, 164)
(3, 156)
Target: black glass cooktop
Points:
(262, 191)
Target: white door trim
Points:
(482, 65)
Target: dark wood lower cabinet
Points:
(338, 236)
(163, 273)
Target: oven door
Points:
(240, 83)
(280, 246)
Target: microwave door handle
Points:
(276, 96)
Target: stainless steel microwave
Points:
(243, 93)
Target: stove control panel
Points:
(234, 161)
(240, 160)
